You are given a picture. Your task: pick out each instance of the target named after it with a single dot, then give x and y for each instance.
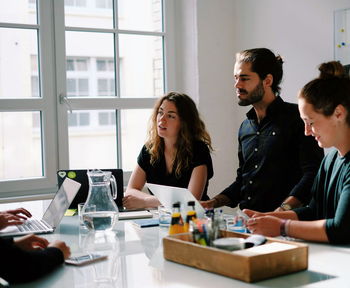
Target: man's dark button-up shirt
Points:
(276, 159)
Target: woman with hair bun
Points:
(324, 105)
(332, 69)
(176, 153)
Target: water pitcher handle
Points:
(114, 187)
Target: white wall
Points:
(301, 31)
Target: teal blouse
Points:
(331, 197)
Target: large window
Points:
(80, 97)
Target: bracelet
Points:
(284, 227)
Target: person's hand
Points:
(13, 217)
(62, 246)
(209, 204)
(7, 219)
(265, 225)
(134, 202)
(18, 211)
(252, 213)
(31, 242)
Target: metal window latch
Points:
(64, 100)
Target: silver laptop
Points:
(168, 195)
(52, 216)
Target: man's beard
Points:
(253, 97)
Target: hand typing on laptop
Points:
(13, 217)
(51, 218)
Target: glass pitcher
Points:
(105, 214)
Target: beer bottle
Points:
(191, 215)
(177, 224)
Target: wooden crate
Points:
(275, 257)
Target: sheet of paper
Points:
(134, 215)
(265, 249)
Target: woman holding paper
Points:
(176, 153)
(324, 105)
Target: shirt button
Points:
(249, 198)
(256, 166)
(256, 149)
(273, 133)
(250, 182)
(258, 133)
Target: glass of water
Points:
(164, 216)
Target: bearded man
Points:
(277, 162)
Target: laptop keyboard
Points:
(32, 225)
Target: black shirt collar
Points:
(272, 109)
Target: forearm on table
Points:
(135, 192)
(293, 201)
(307, 230)
(221, 200)
(149, 201)
(152, 201)
(283, 214)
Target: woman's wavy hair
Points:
(330, 89)
(192, 128)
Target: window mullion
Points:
(61, 89)
(169, 47)
(102, 103)
(47, 64)
(117, 86)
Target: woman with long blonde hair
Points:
(176, 153)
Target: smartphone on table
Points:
(85, 259)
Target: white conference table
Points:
(135, 259)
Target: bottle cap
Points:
(176, 205)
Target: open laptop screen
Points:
(52, 216)
(60, 203)
(80, 176)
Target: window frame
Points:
(53, 104)
(36, 187)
